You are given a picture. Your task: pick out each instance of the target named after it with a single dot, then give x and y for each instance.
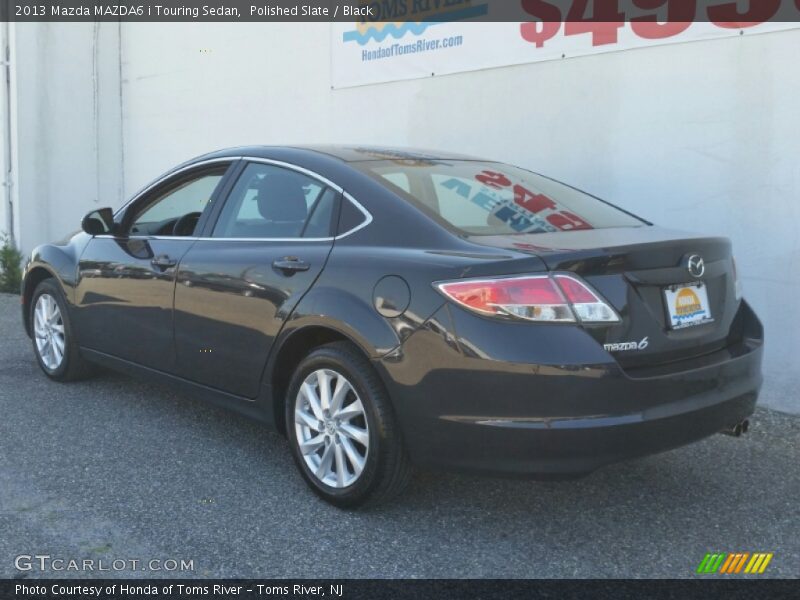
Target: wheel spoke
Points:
(42, 319)
(356, 433)
(341, 468)
(38, 318)
(310, 394)
(356, 460)
(324, 385)
(49, 311)
(339, 394)
(325, 463)
(58, 351)
(356, 409)
(58, 328)
(52, 353)
(308, 420)
(312, 445)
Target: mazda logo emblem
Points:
(696, 266)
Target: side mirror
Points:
(98, 222)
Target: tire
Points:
(55, 334)
(385, 468)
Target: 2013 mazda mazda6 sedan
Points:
(387, 307)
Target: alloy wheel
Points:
(48, 329)
(331, 428)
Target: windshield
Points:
(481, 198)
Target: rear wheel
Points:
(54, 344)
(342, 430)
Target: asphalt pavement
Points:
(116, 468)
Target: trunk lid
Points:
(631, 268)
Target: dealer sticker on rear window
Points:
(687, 305)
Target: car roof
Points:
(346, 153)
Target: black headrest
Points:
(281, 197)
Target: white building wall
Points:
(6, 183)
(68, 142)
(700, 136)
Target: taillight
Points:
(737, 284)
(559, 298)
(588, 306)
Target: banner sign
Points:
(447, 39)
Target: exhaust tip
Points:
(737, 430)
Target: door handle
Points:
(163, 261)
(290, 265)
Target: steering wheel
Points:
(185, 226)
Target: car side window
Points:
(177, 210)
(274, 202)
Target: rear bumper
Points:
(579, 446)
(470, 413)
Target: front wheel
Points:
(54, 344)
(342, 430)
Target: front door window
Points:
(176, 211)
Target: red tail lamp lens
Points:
(487, 296)
(558, 299)
(575, 291)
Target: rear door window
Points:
(270, 202)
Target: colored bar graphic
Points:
(741, 562)
(734, 562)
(731, 560)
(730, 563)
(711, 563)
(701, 568)
(766, 562)
(759, 562)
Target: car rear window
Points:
(483, 198)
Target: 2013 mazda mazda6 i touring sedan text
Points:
(386, 308)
